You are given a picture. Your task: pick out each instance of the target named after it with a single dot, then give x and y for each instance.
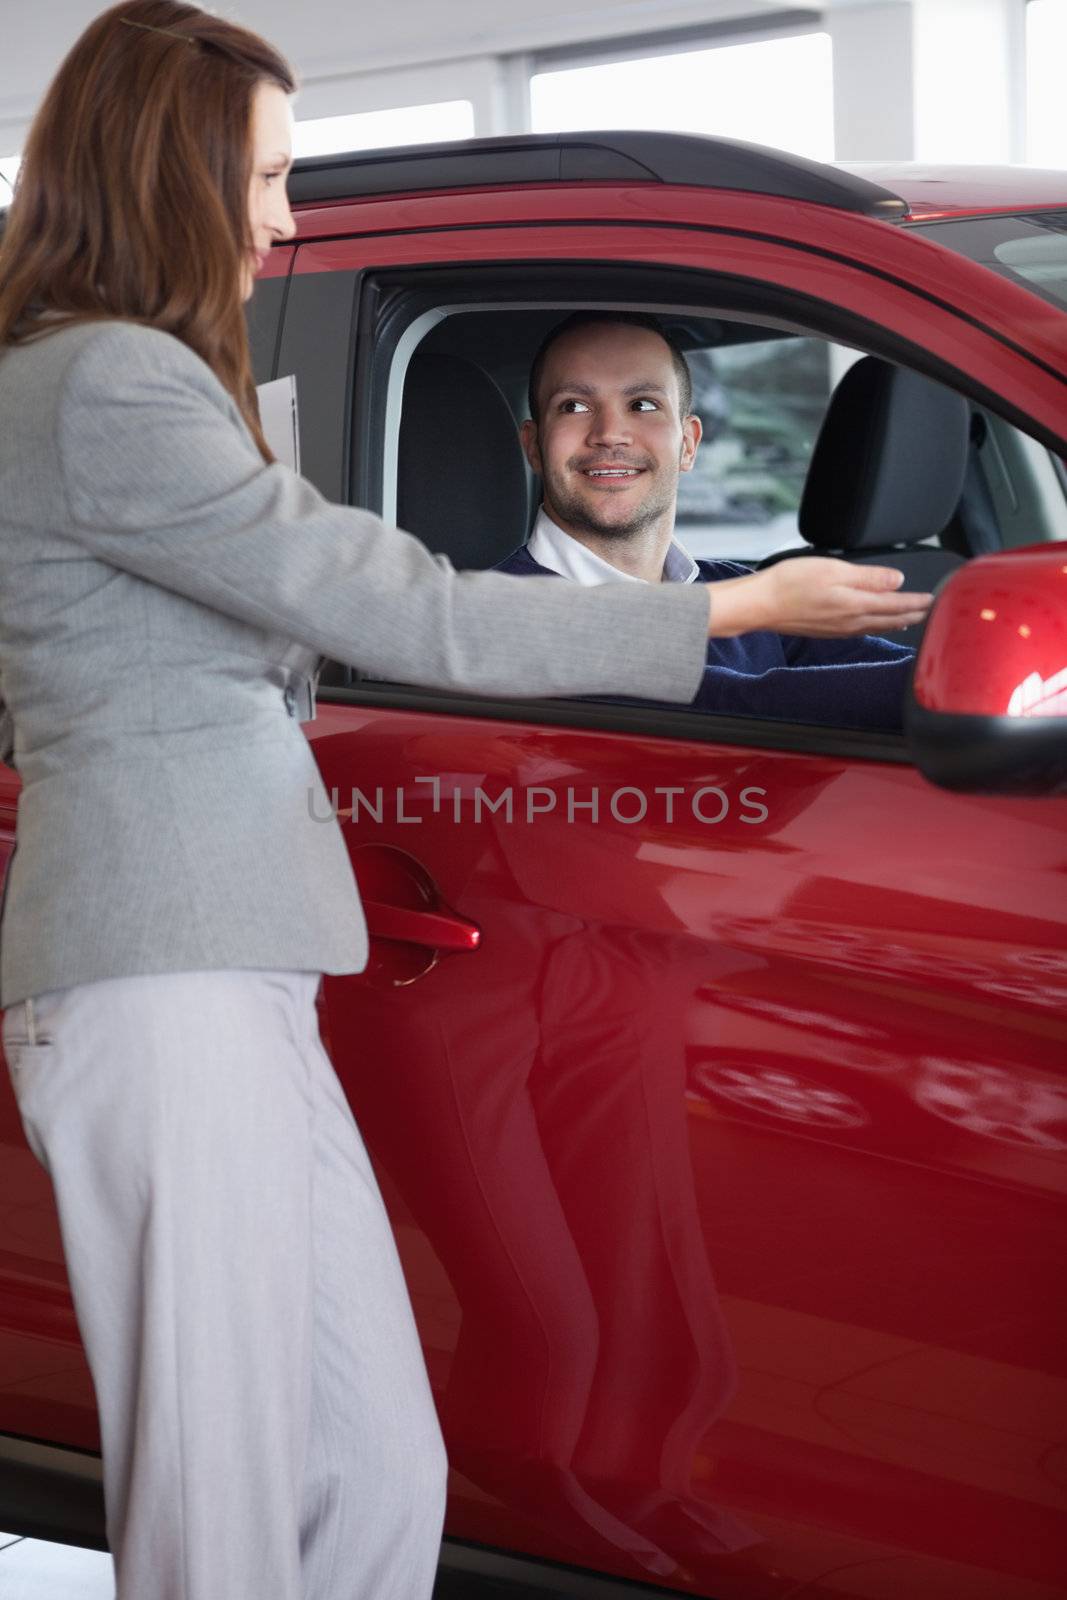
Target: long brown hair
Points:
(132, 198)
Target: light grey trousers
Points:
(267, 1426)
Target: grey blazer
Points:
(164, 595)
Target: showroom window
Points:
(761, 402)
(375, 130)
(773, 91)
(1046, 51)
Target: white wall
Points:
(938, 80)
(339, 48)
(970, 80)
(414, 31)
(874, 104)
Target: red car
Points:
(714, 1068)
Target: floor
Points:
(33, 1570)
(30, 1569)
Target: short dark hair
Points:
(593, 319)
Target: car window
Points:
(761, 402)
(1030, 249)
(1040, 261)
(429, 370)
(762, 394)
(1025, 482)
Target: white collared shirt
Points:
(563, 553)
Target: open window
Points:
(449, 382)
(438, 382)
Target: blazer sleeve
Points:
(162, 480)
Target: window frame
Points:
(379, 321)
(384, 322)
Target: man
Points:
(610, 430)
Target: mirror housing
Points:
(987, 709)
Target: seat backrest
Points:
(462, 482)
(886, 475)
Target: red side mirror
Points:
(988, 706)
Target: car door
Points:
(713, 1070)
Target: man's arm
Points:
(844, 683)
(842, 652)
(863, 694)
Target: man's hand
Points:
(816, 596)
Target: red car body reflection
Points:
(786, 1099)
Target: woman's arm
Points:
(162, 481)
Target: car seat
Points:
(886, 476)
(463, 487)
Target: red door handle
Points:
(439, 929)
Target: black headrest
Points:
(462, 483)
(888, 464)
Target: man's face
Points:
(610, 443)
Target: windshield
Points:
(1030, 249)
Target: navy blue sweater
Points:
(844, 683)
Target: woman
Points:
(165, 588)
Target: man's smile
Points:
(611, 475)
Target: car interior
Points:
(882, 465)
(834, 438)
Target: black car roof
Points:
(622, 157)
(625, 157)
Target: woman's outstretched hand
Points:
(817, 596)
